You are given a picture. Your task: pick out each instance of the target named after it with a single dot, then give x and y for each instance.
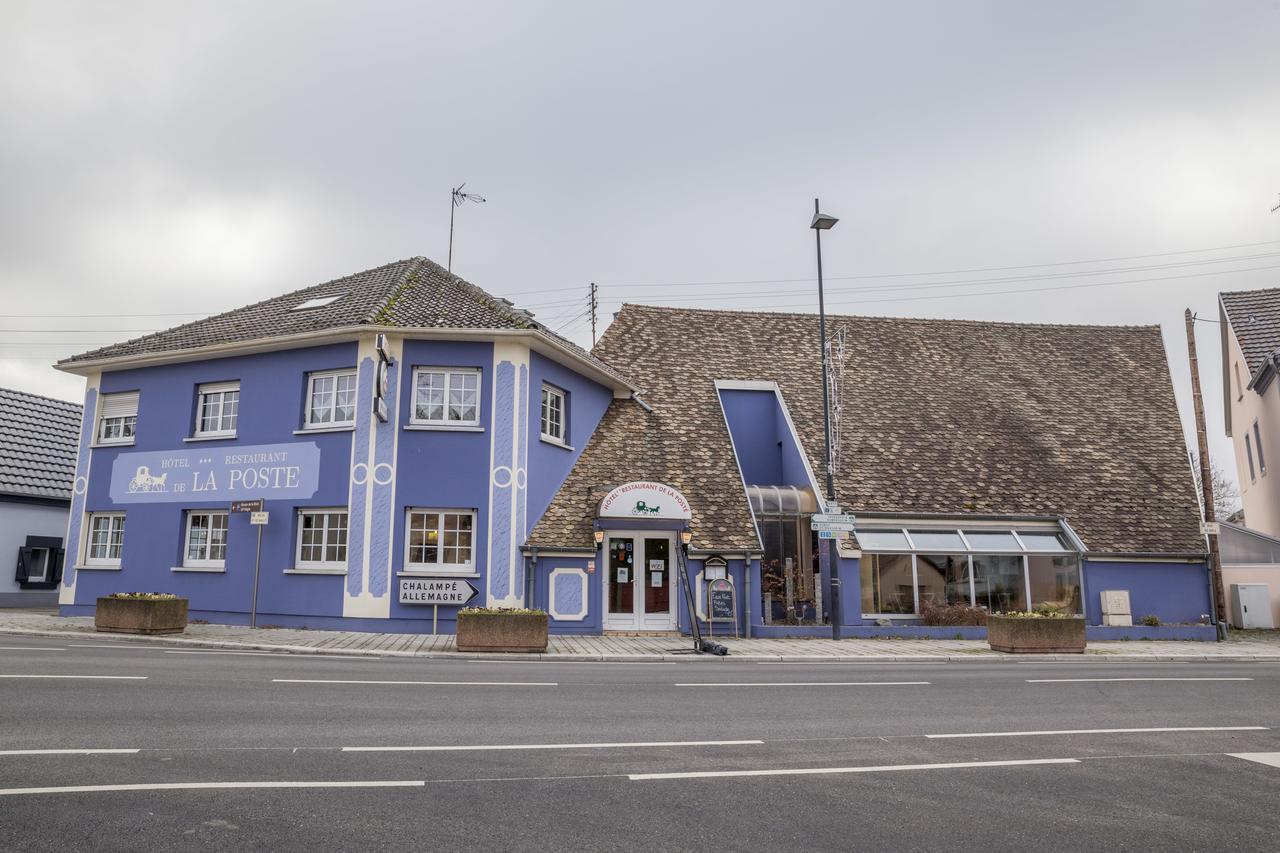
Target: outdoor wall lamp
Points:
(686, 536)
(599, 534)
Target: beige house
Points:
(1250, 360)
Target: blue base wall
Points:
(1175, 592)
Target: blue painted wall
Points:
(1176, 592)
(549, 464)
(272, 392)
(753, 419)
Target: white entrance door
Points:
(640, 578)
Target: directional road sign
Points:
(454, 591)
(833, 534)
(844, 518)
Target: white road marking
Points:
(106, 677)
(302, 656)
(1271, 759)
(427, 683)
(1107, 731)
(116, 646)
(202, 786)
(817, 771)
(68, 751)
(29, 649)
(1084, 680)
(522, 746)
(800, 683)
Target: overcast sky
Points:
(180, 158)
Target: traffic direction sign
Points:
(833, 534)
(844, 518)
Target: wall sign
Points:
(382, 378)
(644, 499)
(272, 471)
(452, 591)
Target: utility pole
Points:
(1206, 477)
(595, 303)
(823, 222)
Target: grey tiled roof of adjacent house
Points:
(38, 441)
(415, 292)
(938, 417)
(1255, 318)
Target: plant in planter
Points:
(141, 613)
(502, 629)
(1047, 629)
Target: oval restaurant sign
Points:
(643, 499)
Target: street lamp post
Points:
(823, 222)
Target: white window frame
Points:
(551, 393)
(450, 375)
(107, 561)
(335, 375)
(221, 389)
(117, 409)
(188, 562)
(438, 567)
(1257, 448)
(335, 566)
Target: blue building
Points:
(413, 439)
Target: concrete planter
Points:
(141, 615)
(1035, 636)
(502, 632)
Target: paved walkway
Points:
(1260, 646)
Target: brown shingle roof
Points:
(1255, 318)
(412, 293)
(939, 417)
(38, 441)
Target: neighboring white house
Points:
(1251, 399)
(38, 440)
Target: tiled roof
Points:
(1255, 318)
(38, 441)
(938, 417)
(415, 292)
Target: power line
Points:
(83, 316)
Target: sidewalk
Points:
(1263, 647)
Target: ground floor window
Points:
(902, 576)
(790, 586)
(206, 540)
(106, 539)
(322, 539)
(440, 539)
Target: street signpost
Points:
(833, 518)
(247, 506)
(833, 534)
(453, 592)
(258, 518)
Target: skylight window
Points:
(317, 302)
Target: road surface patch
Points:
(68, 751)
(204, 786)
(1092, 680)
(524, 746)
(1106, 731)
(102, 677)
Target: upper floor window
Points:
(206, 540)
(1239, 384)
(117, 418)
(1257, 444)
(106, 539)
(331, 399)
(446, 396)
(553, 414)
(322, 539)
(218, 410)
(1248, 452)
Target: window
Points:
(36, 561)
(206, 540)
(1257, 444)
(999, 584)
(117, 418)
(1248, 452)
(1239, 384)
(322, 539)
(331, 399)
(1054, 579)
(317, 302)
(553, 414)
(440, 540)
(218, 410)
(446, 397)
(106, 539)
(886, 584)
(883, 540)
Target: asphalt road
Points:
(233, 751)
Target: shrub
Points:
(143, 596)
(951, 614)
(1150, 620)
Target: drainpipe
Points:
(531, 577)
(746, 594)
(635, 395)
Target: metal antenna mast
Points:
(595, 303)
(1277, 207)
(459, 198)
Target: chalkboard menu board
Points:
(721, 603)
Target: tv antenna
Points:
(459, 198)
(1277, 207)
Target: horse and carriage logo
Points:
(144, 481)
(643, 508)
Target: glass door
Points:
(658, 613)
(638, 582)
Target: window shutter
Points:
(24, 560)
(119, 405)
(55, 571)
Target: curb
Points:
(667, 657)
